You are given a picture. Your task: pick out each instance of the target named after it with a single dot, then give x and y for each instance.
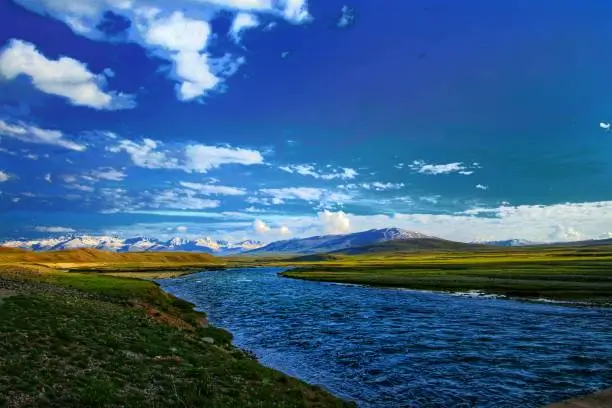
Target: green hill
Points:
(410, 245)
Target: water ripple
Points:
(399, 348)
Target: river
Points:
(400, 348)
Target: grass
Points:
(559, 273)
(73, 339)
(92, 260)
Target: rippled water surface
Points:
(398, 348)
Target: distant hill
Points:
(329, 243)
(410, 245)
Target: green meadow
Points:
(564, 273)
(88, 339)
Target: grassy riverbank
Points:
(73, 339)
(558, 273)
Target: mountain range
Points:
(407, 240)
(310, 245)
(330, 243)
(136, 244)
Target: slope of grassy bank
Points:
(569, 274)
(90, 340)
(102, 261)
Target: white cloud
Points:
(335, 222)
(211, 189)
(191, 158)
(309, 194)
(146, 154)
(106, 173)
(48, 177)
(242, 22)
(175, 30)
(65, 77)
(435, 169)
(175, 199)
(309, 170)
(32, 134)
(201, 158)
(80, 187)
(260, 227)
(561, 233)
(181, 228)
(55, 230)
(4, 177)
(376, 186)
(605, 125)
(347, 17)
(7, 151)
(482, 187)
(537, 223)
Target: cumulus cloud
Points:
(48, 177)
(482, 187)
(181, 228)
(191, 158)
(212, 189)
(175, 30)
(309, 170)
(434, 169)
(605, 125)
(242, 21)
(4, 177)
(146, 154)
(564, 233)
(65, 77)
(537, 223)
(260, 227)
(335, 222)
(32, 134)
(55, 230)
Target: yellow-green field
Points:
(87, 339)
(559, 273)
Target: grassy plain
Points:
(565, 273)
(87, 339)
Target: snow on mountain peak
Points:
(134, 244)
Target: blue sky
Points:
(276, 119)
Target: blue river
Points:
(400, 348)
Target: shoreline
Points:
(246, 350)
(122, 326)
(465, 291)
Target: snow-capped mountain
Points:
(136, 244)
(510, 242)
(328, 243)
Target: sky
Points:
(276, 119)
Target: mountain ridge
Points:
(133, 244)
(335, 242)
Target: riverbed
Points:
(401, 348)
